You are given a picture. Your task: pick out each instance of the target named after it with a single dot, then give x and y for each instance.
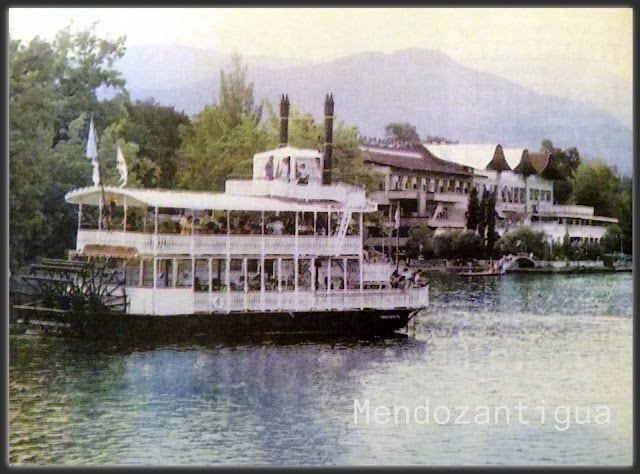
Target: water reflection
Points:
(245, 403)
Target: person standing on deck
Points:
(268, 169)
(303, 174)
(284, 171)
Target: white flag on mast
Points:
(92, 153)
(122, 167)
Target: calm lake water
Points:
(515, 370)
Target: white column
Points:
(124, 221)
(209, 279)
(227, 270)
(344, 274)
(295, 255)
(361, 251)
(155, 285)
(79, 217)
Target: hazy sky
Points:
(582, 53)
(601, 35)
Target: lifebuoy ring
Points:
(216, 302)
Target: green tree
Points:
(467, 245)
(85, 65)
(523, 239)
(482, 215)
(402, 132)
(613, 239)
(348, 160)
(561, 167)
(492, 236)
(597, 186)
(154, 128)
(223, 137)
(33, 100)
(444, 244)
(236, 95)
(625, 213)
(50, 86)
(419, 242)
(473, 210)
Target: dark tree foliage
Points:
(482, 215)
(561, 168)
(154, 128)
(473, 210)
(52, 88)
(492, 235)
(402, 132)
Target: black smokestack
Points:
(284, 121)
(328, 139)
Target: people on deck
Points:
(268, 169)
(303, 174)
(283, 172)
(186, 223)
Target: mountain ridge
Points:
(424, 87)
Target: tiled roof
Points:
(498, 162)
(417, 159)
(540, 161)
(532, 163)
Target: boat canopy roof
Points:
(201, 200)
(297, 156)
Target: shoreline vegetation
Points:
(441, 266)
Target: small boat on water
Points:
(487, 272)
(272, 254)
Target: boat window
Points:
(184, 275)
(322, 223)
(254, 271)
(304, 274)
(270, 274)
(218, 275)
(335, 222)
(201, 275)
(166, 277)
(305, 223)
(132, 272)
(147, 272)
(237, 274)
(287, 275)
(353, 273)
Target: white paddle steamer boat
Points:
(280, 252)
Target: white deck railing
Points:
(171, 301)
(169, 244)
(340, 192)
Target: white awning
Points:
(199, 200)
